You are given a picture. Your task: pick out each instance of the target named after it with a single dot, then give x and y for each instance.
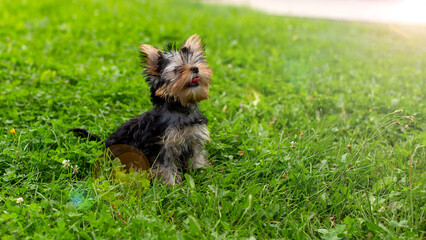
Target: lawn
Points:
(317, 126)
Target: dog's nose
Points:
(194, 69)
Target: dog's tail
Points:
(82, 133)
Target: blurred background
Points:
(383, 11)
(306, 142)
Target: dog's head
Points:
(179, 74)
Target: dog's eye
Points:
(176, 70)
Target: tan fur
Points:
(194, 43)
(179, 90)
(169, 174)
(151, 61)
(182, 148)
(195, 137)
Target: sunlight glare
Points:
(410, 11)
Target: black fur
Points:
(82, 133)
(173, 134)
(145, 131)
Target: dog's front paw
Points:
(198, 162)
(167, 176)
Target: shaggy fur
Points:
(173, 134)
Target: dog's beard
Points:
(189, 88)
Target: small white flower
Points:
(19, 200)
(293, 145)
(66, 163)
(75, 170)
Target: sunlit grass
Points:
(306, 142)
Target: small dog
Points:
(173, 134)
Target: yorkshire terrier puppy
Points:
(173, 134)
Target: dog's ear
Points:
(151, 58)
(194, 44)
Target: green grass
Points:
(75, 63)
